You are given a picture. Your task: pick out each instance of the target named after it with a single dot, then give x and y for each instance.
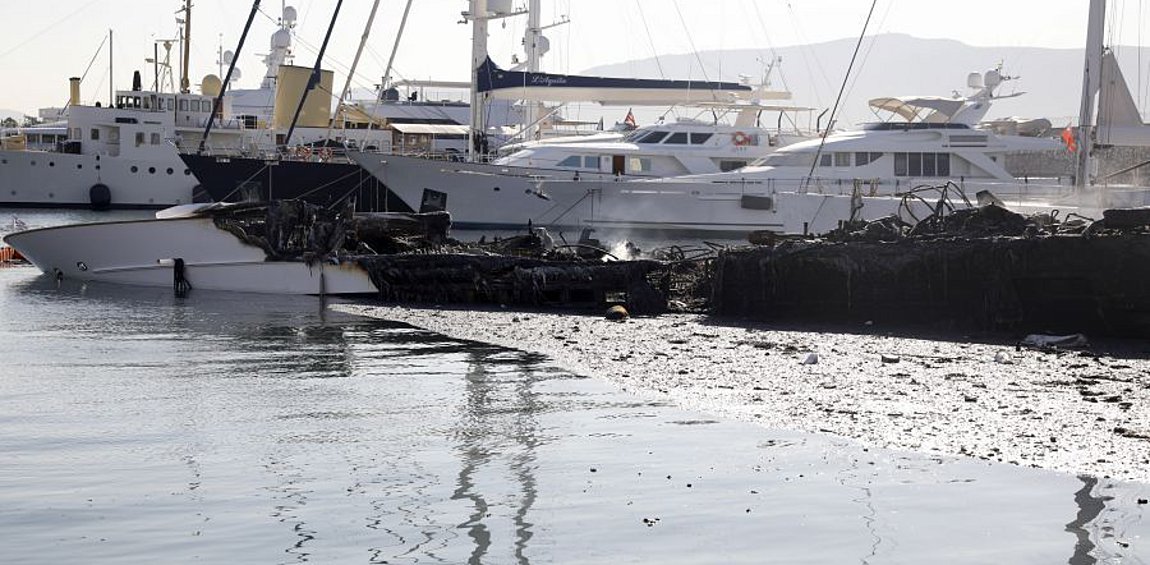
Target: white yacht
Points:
(704, 189)
(120, 155)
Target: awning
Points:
(430, 129)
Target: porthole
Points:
(135, 169)
(33, 163)
(51, 163)
(79, 165)
(3, 161)
(152, 170)
(187, 172)
(170, 171)
(97, 167)
(496, 189)
(51, 195)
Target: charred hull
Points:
(1050, 283)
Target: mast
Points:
(314, 79)
(185, 84)
(394, 49)
(475, 133)
(111, 74)
(217, 104)
(1091, 82)
(354, 64)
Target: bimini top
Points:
(517, 85)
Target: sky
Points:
(47, 41)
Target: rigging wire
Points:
(846, 77)
(650, 41)
(90, 63)
(870, 47)
(691, 41)
(46, 29)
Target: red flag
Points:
(629, 121)
(1068, 139)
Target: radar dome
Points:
(229, 57)
(237, 74)
(993, 78)
(281, 39)
(211, 85)
(974, 80)
(499, 6)
(289, 15)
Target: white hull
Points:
(730, 208)
(142, 253)
(491, 196)
(50, 179)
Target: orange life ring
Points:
(740, 139)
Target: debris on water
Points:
(810, 359)
(1003, 358)
(1072, 341)
(889, 358)
(617, 313)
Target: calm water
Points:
(229, 428)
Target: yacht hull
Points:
(234, 179)
(66, 180)
(498, 197)
(144, 253)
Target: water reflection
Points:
(225, 427)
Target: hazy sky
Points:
(46, 41)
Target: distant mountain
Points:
(901, 65)
(15, 115)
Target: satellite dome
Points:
(289, 15)
(993, 78)
(211, 85)
(281, 39)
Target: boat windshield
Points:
(906, 126)
(786, 159)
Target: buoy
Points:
(100, 196)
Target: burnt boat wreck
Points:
(982, 268)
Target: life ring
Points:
(325, 154)
(740, 139)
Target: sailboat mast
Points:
(354, 65)
(394, 49)
(1091, 82)
(185, 84)
(111, 73)
(479, 18)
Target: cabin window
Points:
(95, 134)
(653, 137)
(77, 133)
(825, 160)
(139, 138)
(864, 158)
(183, 105)
(155, 139)
(726, 165)
(700, 138)
(590, 162)
(572, 162)
(147, 103)
(922, 164)
(640, 164)
(784, 159)
(678, 138)
(842, 159)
